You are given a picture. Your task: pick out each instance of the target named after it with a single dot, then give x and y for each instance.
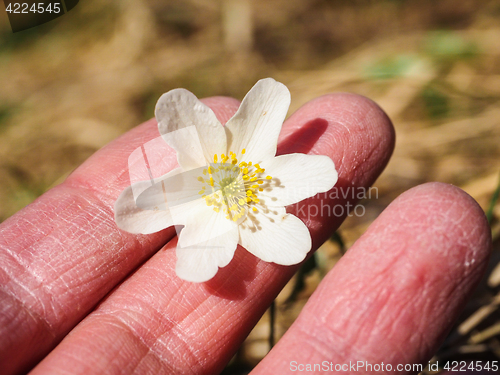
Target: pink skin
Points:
(392, 298)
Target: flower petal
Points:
(257, 123)
(280, 237)
(201, 262)
(296, 177)
(190, 127)
(133, 219)
(142, 208)
(201, 222)
(173, 188)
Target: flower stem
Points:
(272, 314)
(494, 198)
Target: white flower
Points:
(230, 188)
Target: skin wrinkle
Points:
(320, 327)
(177, 329)
(17, 259)
(211, 327)
(184, 333)
(188, 331)
(29, 312)
(179, 352)
(359, 167)
(419, 336)
(76, 361)
(147, 312)
(416, 339)
(149, 349)
(144, 361)
(115, 321)
(61, 278)
(319, 346)
(401, 320)
(28, 307)
(69, 287)
(134, 332)
(116, 363)
(374, 316)
(54, 238)
(16, 280)
(121, 324)
(324, 347)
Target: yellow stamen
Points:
(235, 186)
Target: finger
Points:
(63, 253)
(155, 322)
(396, 293)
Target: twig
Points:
(272, 313)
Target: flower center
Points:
(232, 186)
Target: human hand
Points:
(67, 268)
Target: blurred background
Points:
(70, 86)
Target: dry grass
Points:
(70, 86)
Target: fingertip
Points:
(359, 136)
(448, 214)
